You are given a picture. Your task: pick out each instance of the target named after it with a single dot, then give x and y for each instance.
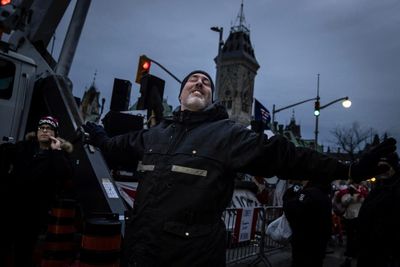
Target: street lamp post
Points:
(274, 111)
(345, 102)
(316, 113)
(220, 30)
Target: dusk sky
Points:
(354, 46)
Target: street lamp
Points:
(220, 30)
(317, 108)
(346, 103)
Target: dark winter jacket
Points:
(32, 177)
(379, 222)
(309, 212)
(189, 163)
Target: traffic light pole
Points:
(316, 133)
(290, 106)
(317, 117)
(165, 69)
(149, 86)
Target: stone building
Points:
(236, 71)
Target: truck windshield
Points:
(7, 74)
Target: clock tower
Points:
(236, 71)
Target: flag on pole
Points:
(261, 113)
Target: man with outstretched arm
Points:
(189, 163)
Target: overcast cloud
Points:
(354, 45)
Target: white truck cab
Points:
(17, 75)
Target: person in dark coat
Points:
(379, 221)
(33, 172)
(308, 210)
(189, 163)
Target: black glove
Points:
(393, 164)
(97, 134)
(367, 166)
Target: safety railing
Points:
(246, 233)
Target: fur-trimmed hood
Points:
(65, 145)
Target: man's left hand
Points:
(368, 165)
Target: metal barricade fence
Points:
(246, 233)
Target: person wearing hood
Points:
(34, 172)
(189, 161)
(379, 220)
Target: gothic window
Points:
(229, 104)
(245, 107)
(245, 98)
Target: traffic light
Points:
(10, 17)
(143, 68)
(5, 2)
(121, 95)
(151, 96)
(316, 108)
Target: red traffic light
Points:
(5, 2)
(143, 68)
(146, 65)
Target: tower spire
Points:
(241, 20)
(94, 77)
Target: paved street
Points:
(281, 258)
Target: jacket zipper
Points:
(176, 138)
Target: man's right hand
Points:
(97, 134)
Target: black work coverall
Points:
(188, 163)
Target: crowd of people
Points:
(360, 217)
(188, 163)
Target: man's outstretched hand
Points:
(368, 165)
(97, 134)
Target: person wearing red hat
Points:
(188, 163)
(33, 173)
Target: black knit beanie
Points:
(51, 121)
(193, 72)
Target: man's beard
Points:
(196, 103)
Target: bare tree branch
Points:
(352, 140)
